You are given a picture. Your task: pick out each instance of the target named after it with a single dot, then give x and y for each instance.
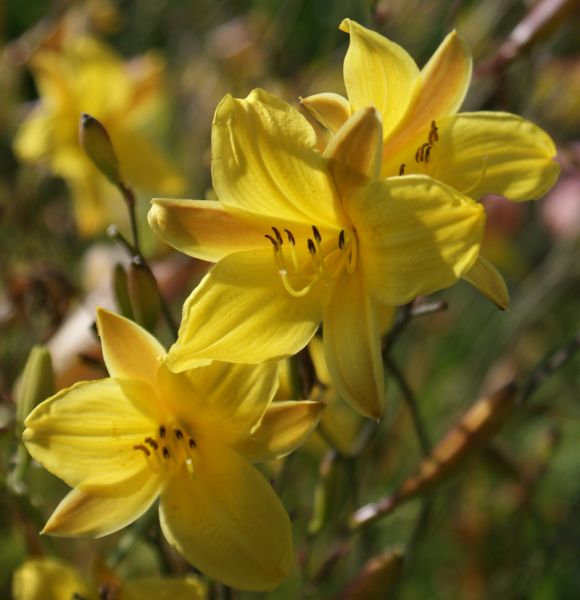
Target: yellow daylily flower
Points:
(301, 238)
(474, 152)
(146, 432)
(48, 578)
(85, 76)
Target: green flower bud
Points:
(96, 142)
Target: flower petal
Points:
(227, 521)
(129, 351)
(165, 588)
(354, 152)
(352, 347)
(285, 426)
(416, 235)
(493, 152)
(439, 91)
(241, 312)
(488, 280)
(202, 228)
(329, 109)
(265, 162)
(379, 73)
(85, 434)
(88, 513)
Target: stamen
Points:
(291, 290)
(420, 154)
(316, 233)
(144, 448)
(151, 442)
(402, 169)
(178, 434)
(192, 443)
(341, 239)
(427, 153)
(278, 236)
(290, 237)
(274, 243)
(311, 246)
(162, 431)
(166, 453)
(433, 134)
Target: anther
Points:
(178, 434)
(420, 154)
(427, 153)
(290, 237)
(341, 239)
(434, 133)
(151, 442)
(402, 169)
(162, 431)
(278, 236)
(311, 246)
(144, 448)
(316, 234)
(192, 443)
(166, 452)
(274, 242)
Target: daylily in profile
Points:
(146, 432)
(302, 238)
(85, 76)
(474, 153)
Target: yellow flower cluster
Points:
(308, 230)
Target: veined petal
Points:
(379, 73)
(85, 434)
(352, 347)
(354, 152)
(241, 312)
(285, 426)
(203, 228)
(129, 351)
(166, 588)
(329, 109)
(88, 513)
(438, 92)
(416, 235)
(265, 162)
(488, 280)
(227, 521)
(493, 152)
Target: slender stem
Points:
(129, 197)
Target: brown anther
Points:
(144, 448)
(274, 242)
(316, 234)
(402, 169)
(420, 154)
(162, 431)
(151, 442)
(178, 434)
(278, 236)
(290, 237)
(166, 452)
(434, 133)
(192, 443)
(341, 239)
(311, 247)
(427, 153)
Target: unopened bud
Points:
(35, 384)
(121, 291)
(96, 142)
(144, 294)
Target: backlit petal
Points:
(265, 162)
(241, 312)
(379, 73)
(416, 235)
(227, 521)
(285, 426)
(495, 153)
(88, 513)
(329, 109)
(166, 588)
(488, 280)
(352, 347)
(203, 228)
(129, 351)
(439, 91)
(85, 434)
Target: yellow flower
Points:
(145, 432)
(52, 579)
(475, 153)
(87, 77)
(302, 238)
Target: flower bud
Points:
(96, 142)
(35, 384)
(144, 294)
(121, 291)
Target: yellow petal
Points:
(439, 91)
(416, 235)
(241, 312)
(379, 73)
(493, 152)
(85, 434)
(203, 228)
(227, 521)
(488, 280)
(89, 513)
(47, 579)
(285, 426)
(354, 152)
(33, 140)
(352, 347)
(166, 588)
(129, 351)
(265, 162)
(329, 109)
